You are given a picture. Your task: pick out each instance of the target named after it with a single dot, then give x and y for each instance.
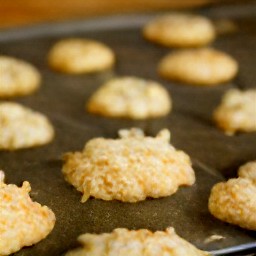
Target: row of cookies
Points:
(22, 127)
(124, 97)
(75, 179)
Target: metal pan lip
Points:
(103, 23)
(243, 249)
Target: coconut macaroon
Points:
(22, 221)
(180, 30)
(129, 168)
(234, 201)
(20, 127)
(205, 66)
(248, 171)
(135, 242)
(130, 97)
(76, 56)
(237, 111)
(17, 77)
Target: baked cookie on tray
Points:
(17, 77)
(237, 111)
(130, 97)
(20, 127)
(129, 168)
(124, 242)
(204, 66)
(22, 221)
(77, 55)
(248, 171)
(234, 201)
(180, 30)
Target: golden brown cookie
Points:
(124, 242)
(130, 97)
(130, 168)
(237, 111)
(76, 56)
(22, 221)
(17, 77)
(248, 171)
(21, 127)
(204, 66)
(234, 201)
(180, 30)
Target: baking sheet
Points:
(62, 98)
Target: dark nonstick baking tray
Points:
(62, 98)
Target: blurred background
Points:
(24, 12)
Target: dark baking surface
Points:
(62, 98)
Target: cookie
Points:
(22, 221)
(21, 127)
(248, 171)
(234, 201)
(18, 77)
(204, 67)
(180, 30)
(76, 56)
(237, 111)
(130, 97)
(135, 242)
(129, 168)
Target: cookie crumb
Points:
(213, 238)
